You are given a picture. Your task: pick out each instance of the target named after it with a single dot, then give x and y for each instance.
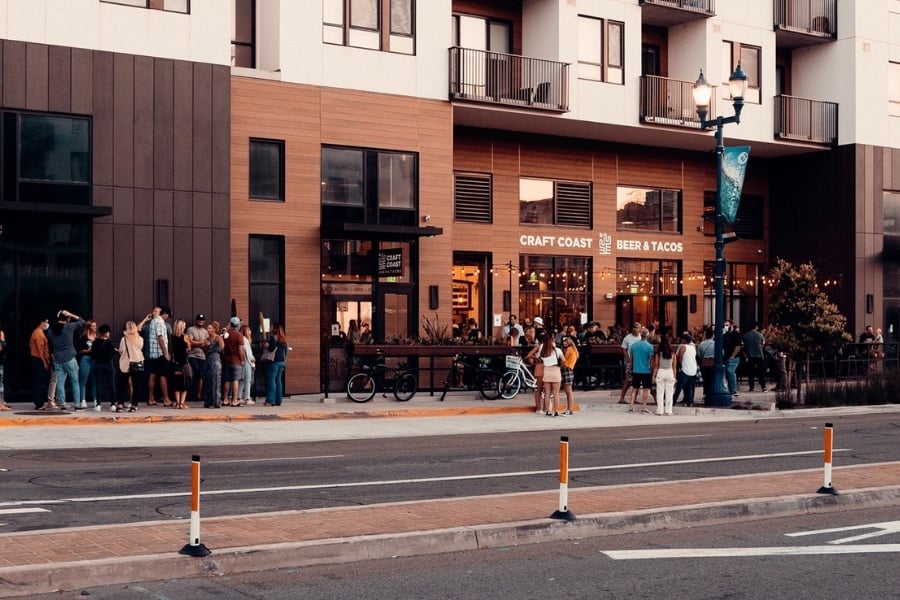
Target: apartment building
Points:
(389, 160)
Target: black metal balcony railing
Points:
(800, 119)
(670, 102)
(508, 79)
(668, 13)
(704, 6)
(812, 17)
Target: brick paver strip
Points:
(68, 545)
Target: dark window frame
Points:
(474, 180)
(660, 228)
(152, 5)
(280, 196)
(606, 65)
(747, 226)
(250, 44)
(557, 220)
(384, 27)
(256, 282)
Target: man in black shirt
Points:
(732, 345)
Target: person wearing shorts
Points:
(641, 360)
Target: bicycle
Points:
(516, 377)
(362, 386)
(480, 375)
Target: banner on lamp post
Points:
(731, 180)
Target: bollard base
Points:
(563, 515)
(827, 490)
(195, 550)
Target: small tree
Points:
(807, 321)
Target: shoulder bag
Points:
(134, 366)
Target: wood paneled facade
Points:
(159, 132)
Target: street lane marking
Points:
(357, 484)
(886, 528)
(19, 511)
(746, 552)
(250, 460)
(668, 437)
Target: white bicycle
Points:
(517, 376)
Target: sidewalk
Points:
(68, 559)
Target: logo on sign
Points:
(390, 262)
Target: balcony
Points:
(666, 13)
(804, 120)
(670, 102)
(507, 79)
(805, 22)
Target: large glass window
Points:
(267, 169)
(648, 209)
(267, 277)
(243, 34)
(396, 180)
(601, 49)
(734, 53)
(181, 6)
(741, 286)
(555, 288)
(375, 24)
(342, 176)
(894, 88)
(548, 202)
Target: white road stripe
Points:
(19, 511)
(745, 552)
(357, 484)
(250, 460)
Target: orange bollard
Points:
(827, 488)
(194, 547)
(563, 511)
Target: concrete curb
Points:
(48, 578)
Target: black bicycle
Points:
(378, 377)
(473, 373)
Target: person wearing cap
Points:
(686, 366)
(232, 363)
(198, 338)
(627, 342)
(61, 339)
(538, 327)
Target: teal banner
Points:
(731, 180)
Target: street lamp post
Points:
(702, 91)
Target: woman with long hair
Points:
(278, 342)
(246, 386)
(180, 344)
(664, 375)
(86, 380)
(212, 383)
(552, 359)
(131, 350)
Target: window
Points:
(46, 158)
(375, 24)
(749, 59)
(748, 225)
(267, 169)
(547, 202)
(741, 287)
(243, 34)
(180, 6)
(472, 196)
(481, 33)
(601, 45)
(267, 277)
(369, 186)
(646, 209)
(894, 89)
(555, 288)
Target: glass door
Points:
(393, 320)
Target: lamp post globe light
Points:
(702, 92)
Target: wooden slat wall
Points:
(509, 157)
(305, 118)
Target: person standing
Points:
(246, 395)
(104, 373)
(706, 357)
(61, 339)
(199, 340)
(753, 342)
(40, 366)
(212, 386)
(664, 376)
(276, 341)
(627, 342)
(570, 357)
(732, 345)
(512, 328)
(86, 363)
(551, 357)
(640, 355)
(686, 367)
(233, 363)
(158, 356)
(131, 350)
(3, 404)
(179, 363)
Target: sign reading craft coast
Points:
(555, 241)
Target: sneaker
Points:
(79, 407)
(249, 402)
(556, 414)
(549, 414)
(764, 390)
(133, 408)
(645, 411)
(569, 413)
(113, 408)
(539, 411)
(97, 408)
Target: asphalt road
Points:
(87, 486)
(746, 560)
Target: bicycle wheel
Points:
(510, 384)
(405, 387)
(361, 387)
(489, 385)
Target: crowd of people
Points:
(154, 362)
